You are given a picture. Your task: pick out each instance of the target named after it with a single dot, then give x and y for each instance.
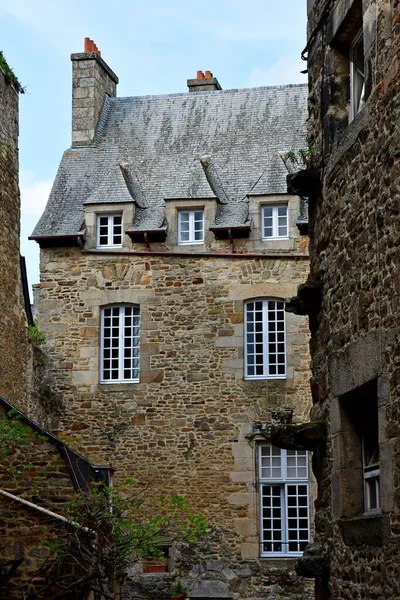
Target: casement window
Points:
(357, 76)
(284, 501)
(120, 344)
(191, 226)
(370, 458)
(275, 222)
(265, 352)
(109, 231)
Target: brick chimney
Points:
(92, 79)
(204, 82)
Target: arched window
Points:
(120, 344)
(264, 339)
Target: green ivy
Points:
(9, 75)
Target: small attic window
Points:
(191, 226)
(109, 231)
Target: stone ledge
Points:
(303, 436)
(371, 530)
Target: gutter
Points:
(269, 256)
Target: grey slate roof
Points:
(161, 138)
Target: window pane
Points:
(120, 342)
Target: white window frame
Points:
(284, 483)
(275, 221)
(263, 338)
(112, 230)
(192, 220)
(117, 352)
(371, 477)
(357, 80)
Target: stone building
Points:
(15, 351)
(168, 245)
(354, 81)
(39, 473)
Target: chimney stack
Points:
(204, 82)
(92, 80)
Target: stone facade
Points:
(354, 249)
(191, 422)
(15, 351)
(184, 426)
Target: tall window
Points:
(109, 231)
(357, 76)
(274, 222)
(265, 354)
(120, 344)
(370, 455)
(284, 504)
(190, 226)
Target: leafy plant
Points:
(9, 75)
(36, 337)
(179, 589)
(302, 157)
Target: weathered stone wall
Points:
(35, 471)
(354, 248)
(183, 428)
(14, 346)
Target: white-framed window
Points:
(275, 222)
(191, 226)
(284, 501)
(357, 76)
(371, 468)
(265, 343)
(109, 231)
(120, 344)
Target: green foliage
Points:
(9, 75)
(178, 589)
(13, 435)
(302, 157)
(36, 337)
(109, 530)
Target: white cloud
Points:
(286, 70)
(34, 195)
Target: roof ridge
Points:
(218, 92)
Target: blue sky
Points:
(153, 46)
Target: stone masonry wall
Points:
(15, 350)
(36, 472)
(183, 427)
(354, 249)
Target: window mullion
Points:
(285, 535)
(265, 338)
(275, 221)
(121, 343)
(191, 226)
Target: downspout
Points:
(146, 241)
(231, 242)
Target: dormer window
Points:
(275, 222)
(109, 231)
(191, 227)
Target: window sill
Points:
(272, 239)
(191, 243)
(269, 378)
(368, 530)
